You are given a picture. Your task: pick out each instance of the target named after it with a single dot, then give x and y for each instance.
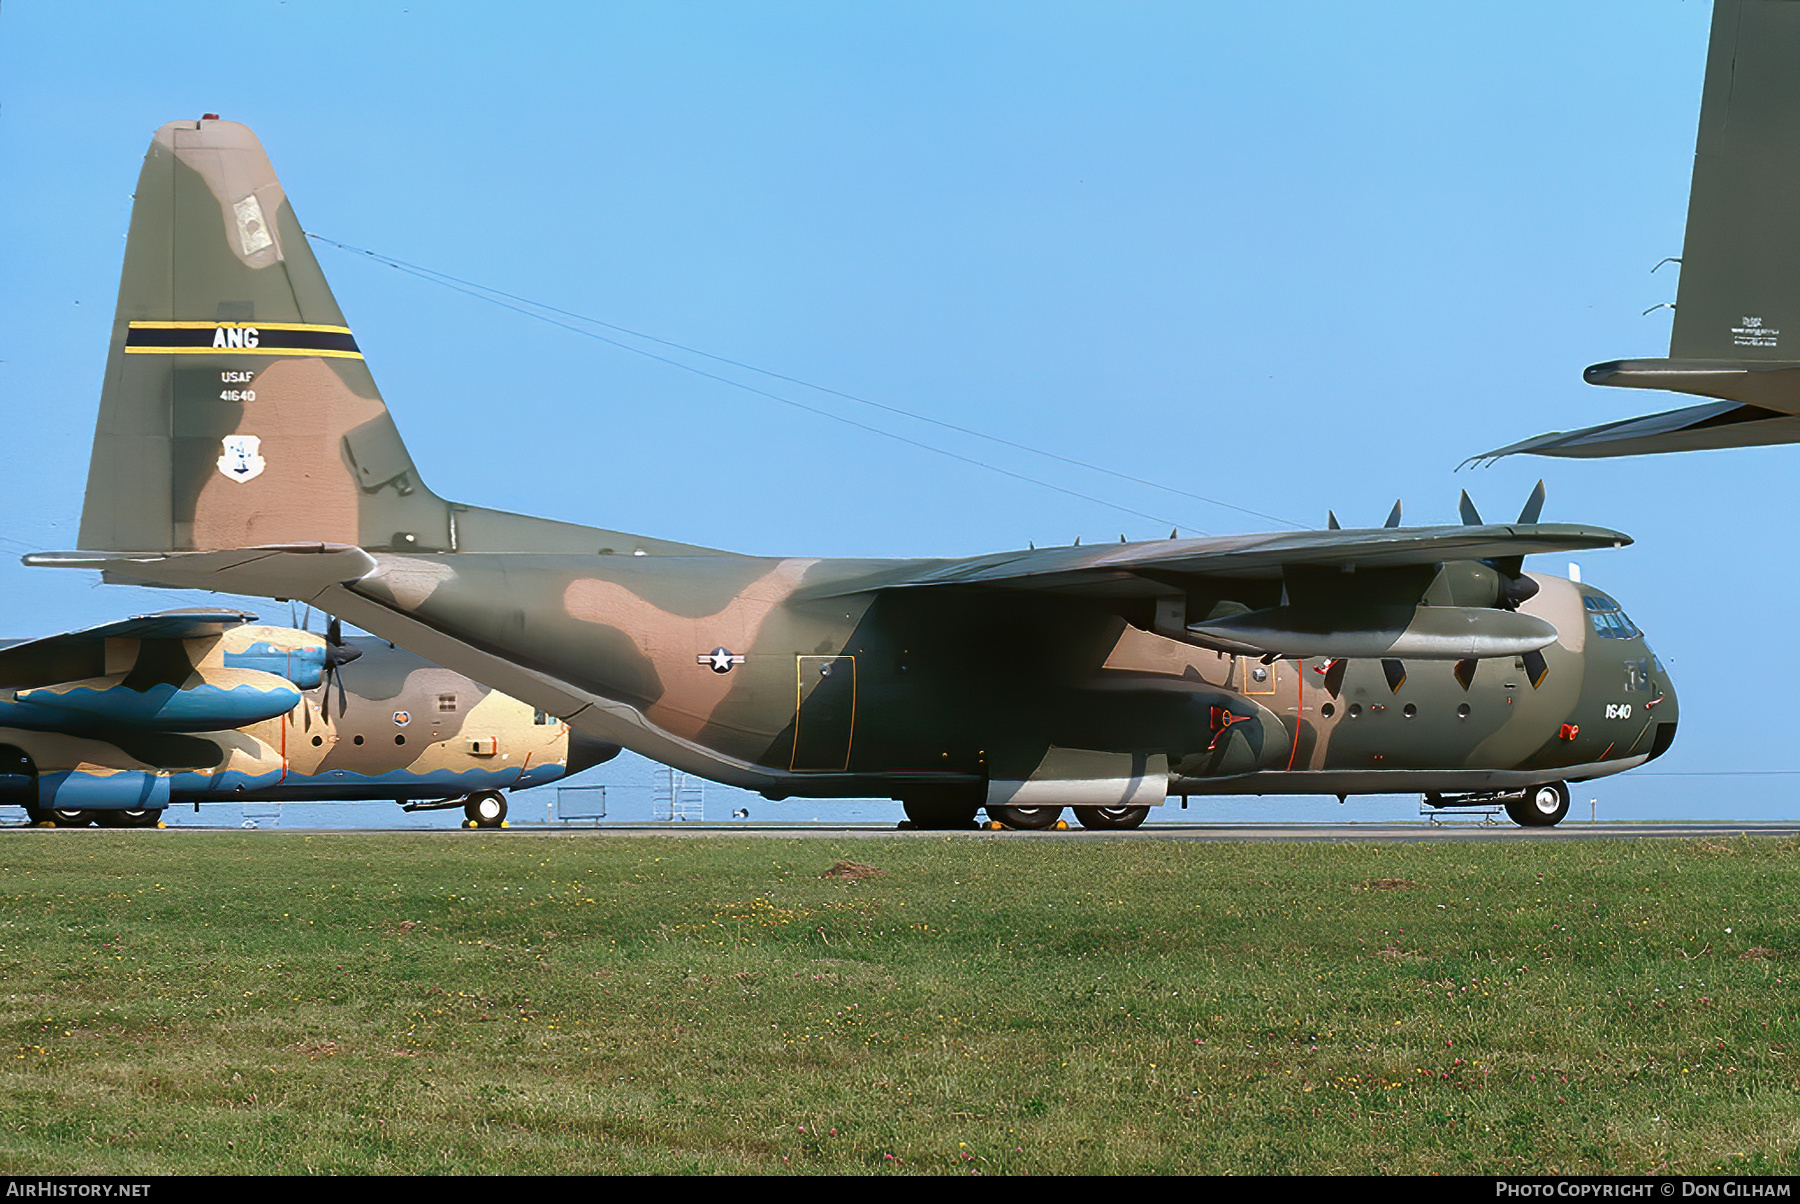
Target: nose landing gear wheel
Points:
(486, 809)
(1111, 819)
(1540, 807)
(1029, 819)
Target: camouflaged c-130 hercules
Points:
(242, 446)
(1740, 261)
(114, 724)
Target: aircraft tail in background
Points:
(1736, 336)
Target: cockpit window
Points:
(1609, 620)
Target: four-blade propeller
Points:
(1514, 589)
(337, 654)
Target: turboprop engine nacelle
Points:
(1410, 632)
(299, 656)
(226, 698)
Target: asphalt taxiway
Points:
(1412, 833)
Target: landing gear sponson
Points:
(1542, 806)
(955, 809)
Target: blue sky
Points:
(1291, 256)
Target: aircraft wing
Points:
(164, 625)
(1149, 569)
(75, 654)
(1694, 428)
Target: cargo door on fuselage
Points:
(824, 712)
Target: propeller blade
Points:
(1395, 672)
(1465, 673)
(1471, 517)
(1534, 505)
(336, 651)
(1334, 676)
(337, 655)
(343, 698)
(1393, 518)
(1536, 667)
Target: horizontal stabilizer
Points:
(1696, 428)
(1774, 386)
(286, 571)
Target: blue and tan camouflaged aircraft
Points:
(242, 446)
(114, 724)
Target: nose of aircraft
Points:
(585, 752)
(1664, 707)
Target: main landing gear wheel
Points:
(1111, 819)
(486, 809)
(130, 817)
(70, 817)
(1029, 819)
(1540, 807)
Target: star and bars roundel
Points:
(720, 659)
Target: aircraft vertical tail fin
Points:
(1736, 335)
(237, 409)
(1739, 297)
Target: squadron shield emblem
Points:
(242, 460)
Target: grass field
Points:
(513, 1002)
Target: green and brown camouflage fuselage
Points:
(242, 445)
